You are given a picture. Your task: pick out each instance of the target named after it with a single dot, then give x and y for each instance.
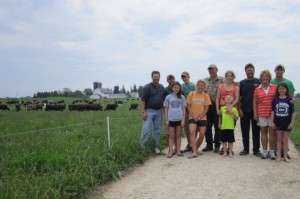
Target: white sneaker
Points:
(157, 151)
(272, 155)
(264, 154)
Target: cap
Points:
(212, 66)
(170, 76)
(280, 66)
(185, 74)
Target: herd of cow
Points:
(60, 106)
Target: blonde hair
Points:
(265, 72)
(232, 73)
(201, 81)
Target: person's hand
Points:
(182, 123)
(273, 125)
(145, 116)
(241, 113)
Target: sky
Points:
(51, 45)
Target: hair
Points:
(201, 81)
(249, 65)
(282, 84)
(230, 71)
(180, 91)
(155, 72)
(265, 72)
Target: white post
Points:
(108, 133)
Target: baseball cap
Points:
(212, 66)
(280, 66)
(185, 74)
(170, 76)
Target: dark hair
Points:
(250, 65)
(155, 72)
(179, 93)
(282, 84)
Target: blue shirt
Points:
(283, 110)
(153, 96)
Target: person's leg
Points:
(187, 133)
(279, 145)
(286, 146)
(217, 135)
(230, 145)
(146, 128)
(193, 129)
(224, 147)
(272, 143)
(157, 123)
(255, 136)
(178, 140)
(245, 127)
(171, 141)
(208, 133)
(200, 139)
(264, 141)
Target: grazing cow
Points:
(111, 107)
(31, 107)
(85, 107)
(133, 107)
(4, 107)
(18, 107)
(54, 107)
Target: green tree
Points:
(88, 91)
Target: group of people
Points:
(217, 102)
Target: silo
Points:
(97, 85)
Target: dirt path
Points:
(209, 176)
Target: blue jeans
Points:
(154, 117)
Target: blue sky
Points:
(52, 45)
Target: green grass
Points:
(65, 154)
(295, 135)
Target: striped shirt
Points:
(264, 100)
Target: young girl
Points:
(226, 124)
(174, 106)
(283, 119)
(198, 103)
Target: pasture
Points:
(64, 154)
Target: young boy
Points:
(226, 124)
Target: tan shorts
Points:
(264, 121)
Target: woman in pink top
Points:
(229, 87)
(262, 108)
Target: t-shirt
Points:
(167, 91)
(212, 87)
(176, 106)
(283, 110)
(198, 101)
(287, 81)
(187, 88)
(228, 120)
(247, 87)
(264, 101)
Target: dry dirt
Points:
(208, 176)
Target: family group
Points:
(265, 104)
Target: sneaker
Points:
(217, 149)
(157, 151)
(264, 155)
(207, 148)
(272, 155)
(257, 154)
(188, 148)
(244, 152)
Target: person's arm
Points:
(144, 113)
(293, 120)
(272, 120)
(255, 108)
(236, 99)
(166, 110)
(218, 99)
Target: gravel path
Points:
(209, 176)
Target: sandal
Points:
(179, 154)
(169, 155)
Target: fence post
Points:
(108, 132)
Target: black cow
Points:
(111, 107)
(54, 107)
(4, 107)
(133, 107)
(18, 107)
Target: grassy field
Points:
(65, 154)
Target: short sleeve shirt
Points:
(153, 95)
(212, 87)
(175, 107)
(198, 101)
(187, 88)
(283, 110)
(228, 120)
(287, 81)
(264, 100)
